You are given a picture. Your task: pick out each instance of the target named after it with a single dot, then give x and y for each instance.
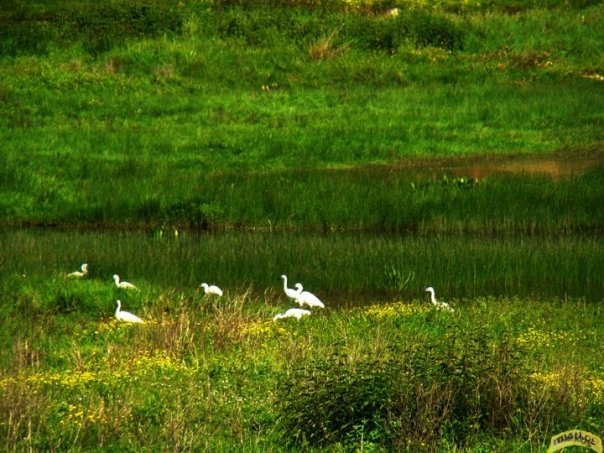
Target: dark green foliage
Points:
(26, 36)
(194, 214)
(261, 27)
(107, 26)
(96, 27)
(99, 28)
(332, 401)
(454, 386)
(420, 27)
(460, 382)
(429, 29)
(517, 6)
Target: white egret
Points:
(125, 316)
(289, 292)
(437, 303)
(292, 313)
(79, 274)
(211, 289)
(123, 285)
(307, 298)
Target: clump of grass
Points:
(326, 48)
(97, 28)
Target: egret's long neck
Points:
(119, 307)
(285, 283)
(432, 297)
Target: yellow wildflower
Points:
(392, 310)
(262, 329)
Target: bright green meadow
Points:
(367, 149)
(127, 112)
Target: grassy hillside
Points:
(110, 110)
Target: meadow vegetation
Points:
(336, 141)
(221, 375)
(347, 269)
(138, 113)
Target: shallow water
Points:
(556, 166)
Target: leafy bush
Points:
(331, 400)
(429, 29)
(107, 26)
(310, 4)
(269, 27)
(420, 27)
(454, 387)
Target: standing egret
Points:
(438, 304)
(305, 297)
(211, 289)
(289, 292)
(79, 274)
(123, 285)
(125, 316)
(292, 313)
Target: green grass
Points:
(176, 95)
(378, 199)
(343, 269)
(224, 376)
(345, 148)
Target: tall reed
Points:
(346, 269)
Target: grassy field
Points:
(113, 114)
(203, 375)
(347, 144)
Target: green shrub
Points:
(107, 26)
(454, 386)
(436, 30)
(323, 5)
(331, 400)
